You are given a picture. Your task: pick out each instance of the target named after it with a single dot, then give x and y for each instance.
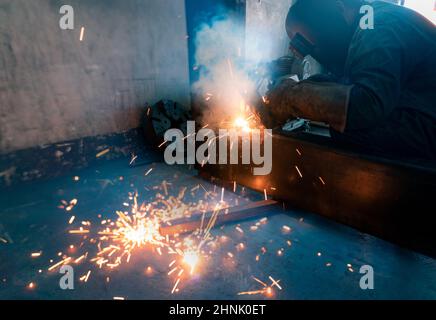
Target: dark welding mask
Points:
(300, 46)
(328, 30)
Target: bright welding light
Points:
(242, 123)
(191, 258)
(138, 235)
(144, 232)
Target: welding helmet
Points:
(319, 29)
(301, 47)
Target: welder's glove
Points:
(317, 101)
(268, 112)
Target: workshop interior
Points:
(217, 150)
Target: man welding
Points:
(380, 93)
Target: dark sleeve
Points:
(375, 67)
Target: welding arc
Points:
(228, 215)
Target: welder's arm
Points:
(318, 101)
(376, 62)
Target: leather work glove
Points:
(317, 101)
(267, 112)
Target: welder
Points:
(379, 94)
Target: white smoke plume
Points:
(223, 82)
(226, 49)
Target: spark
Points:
(175, 286)
(133, 159)
(265, 99)
(102, 153)
(322, 181)
(255, 292)
(172, 271)
(70, 205)
(85, 277)
(79, 231)
(275, 283)
(299, 172)
(162, 144)
(261, 282)
(62, 262)
(78, 260)
(266, 290)
(286, 229)
(82, 33)
(148, 172)
(36, 254)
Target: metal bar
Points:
(226, 215)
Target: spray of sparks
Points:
(116, 241)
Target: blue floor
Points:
(317, 259)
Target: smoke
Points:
(227, 53)
(224, 82)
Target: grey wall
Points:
(54, 87)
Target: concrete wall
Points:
(54, 87)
